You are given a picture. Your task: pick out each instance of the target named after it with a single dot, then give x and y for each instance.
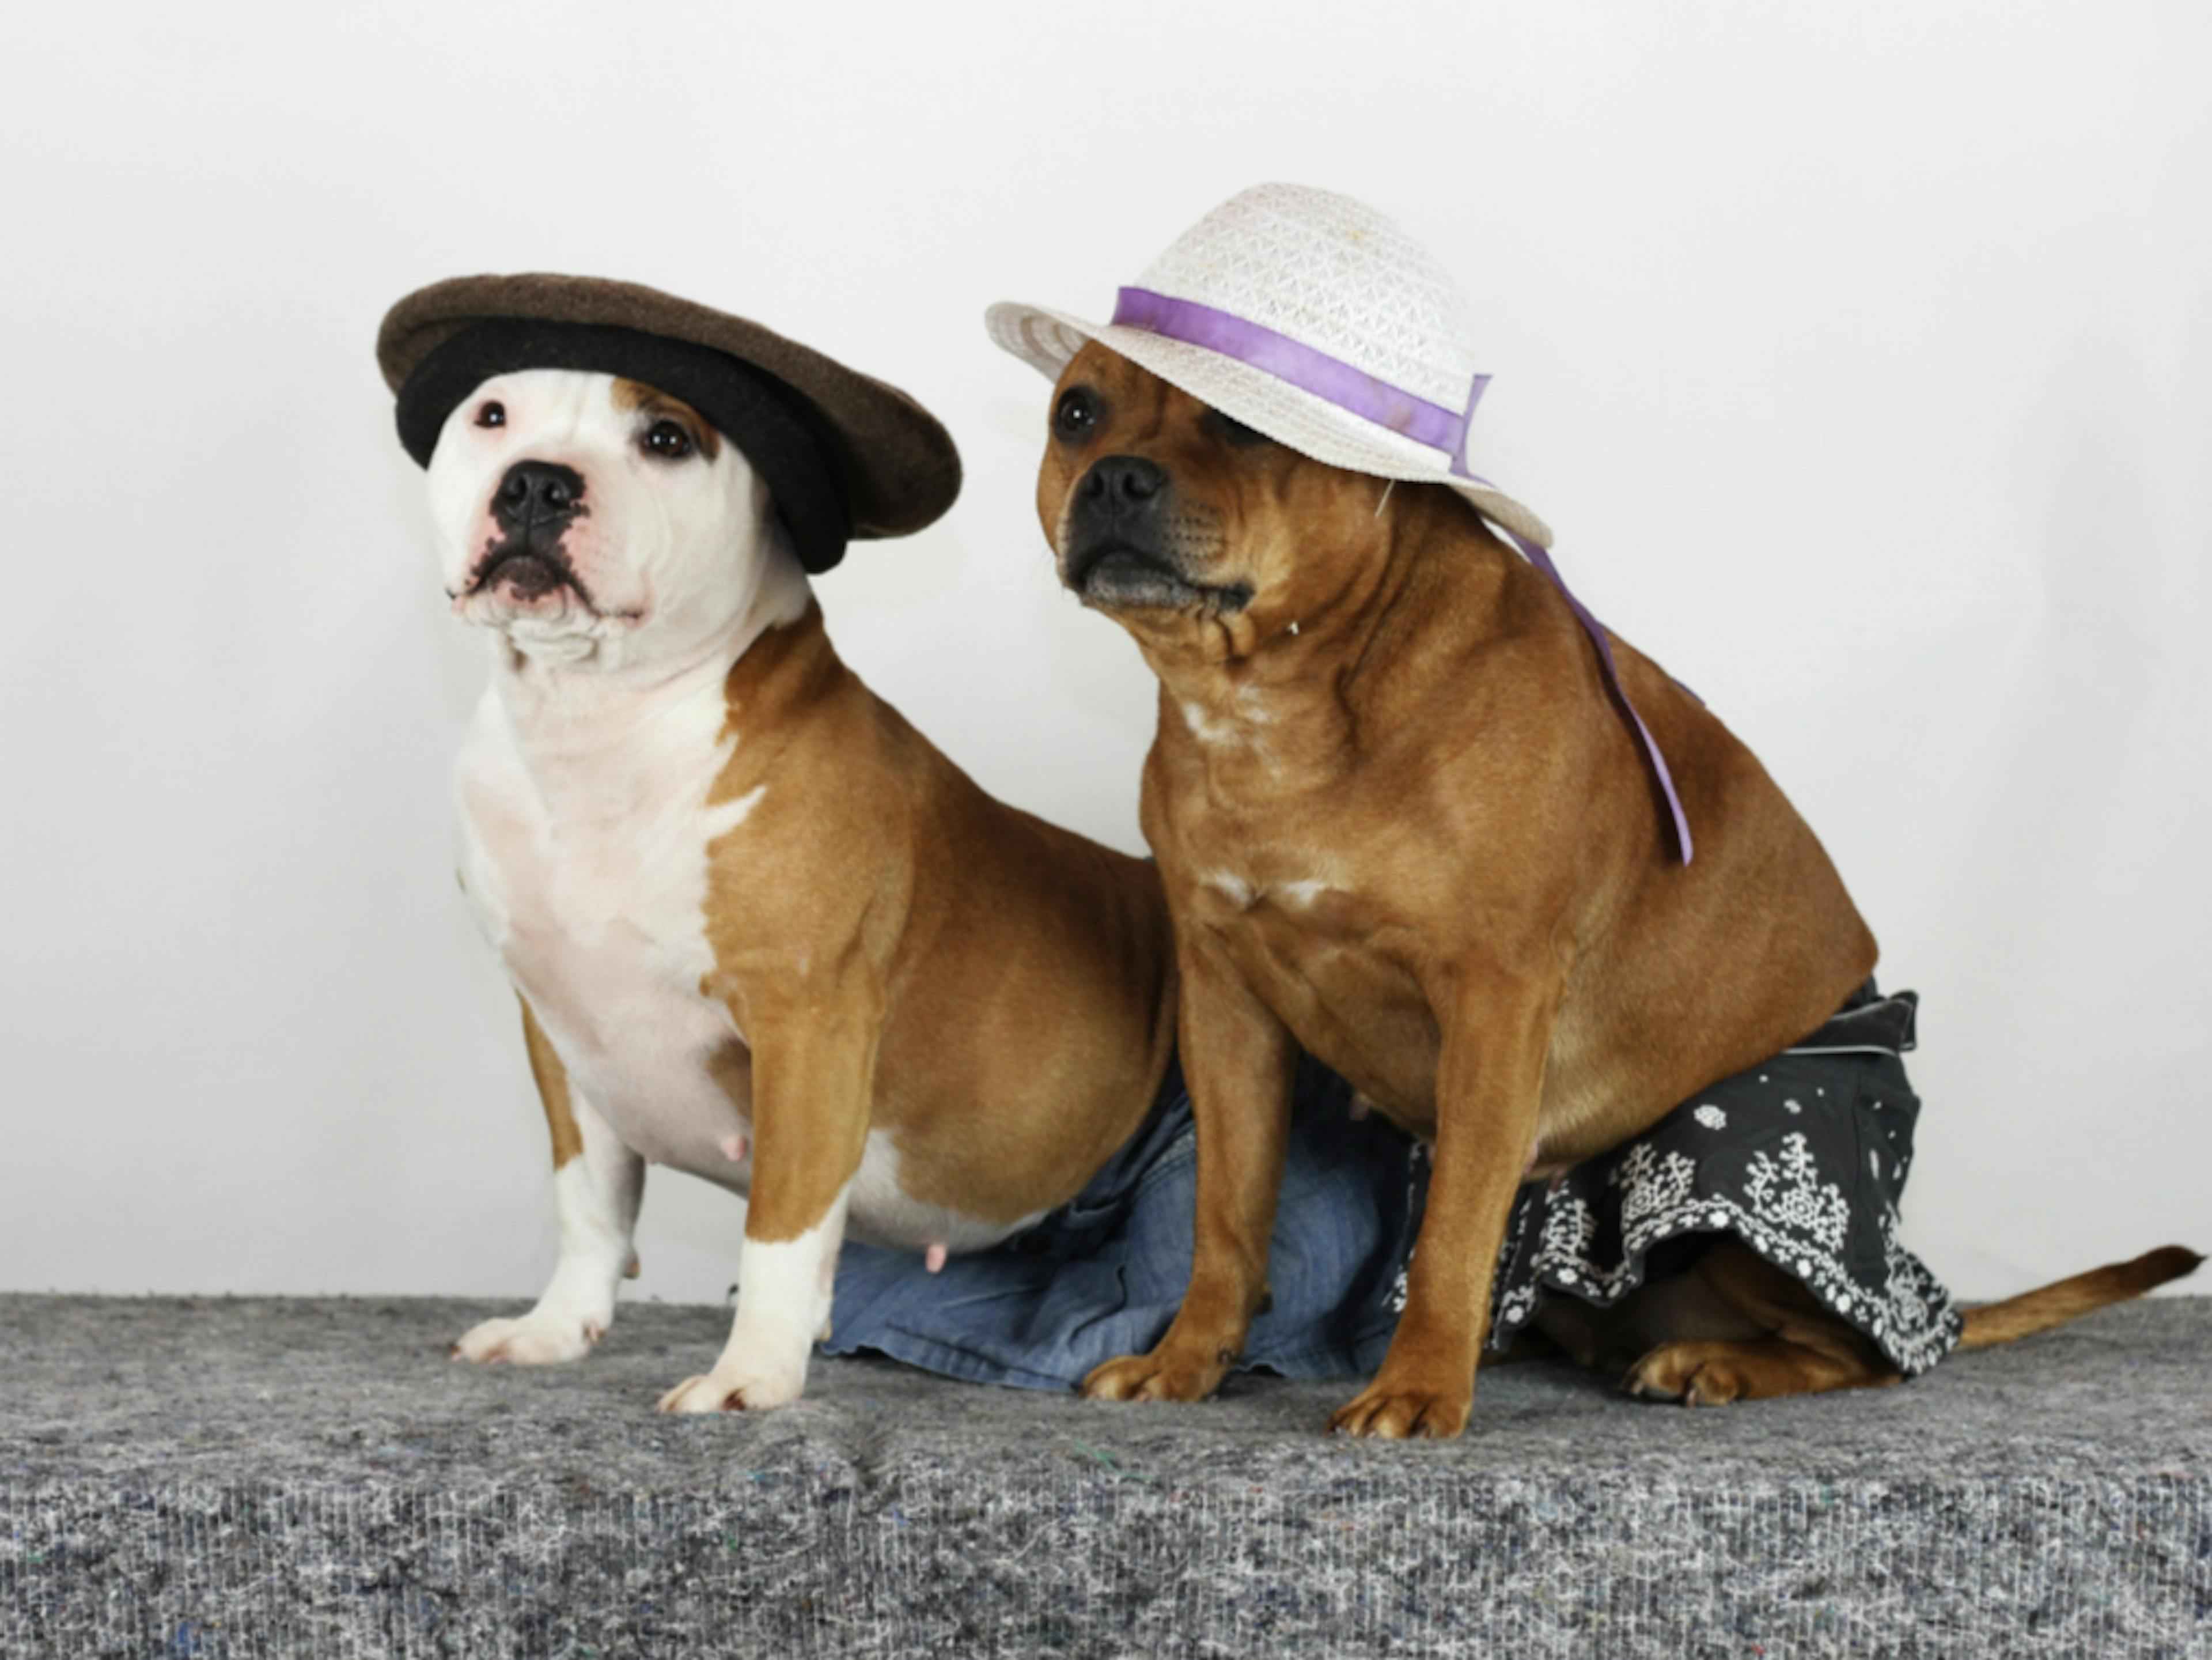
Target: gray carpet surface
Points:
(247, 1477)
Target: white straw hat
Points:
(1308, 317)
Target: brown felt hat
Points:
(891, 461)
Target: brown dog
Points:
(1403, 825)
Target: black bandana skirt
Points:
(1803, 1158)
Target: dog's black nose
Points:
(534, 492)
(1122, 479)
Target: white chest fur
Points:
(586, 825)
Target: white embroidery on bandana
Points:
(1779, 1203)
(1796, 1198)
(1650, 1185)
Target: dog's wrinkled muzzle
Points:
(534, 507)
(1119, 541)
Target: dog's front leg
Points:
(813, 1076)
(1490, 1077)
(597, 1184)
(1239, 1060)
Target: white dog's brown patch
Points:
(636, 395)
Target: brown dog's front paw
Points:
(1161, 1375)
(1391, 1411)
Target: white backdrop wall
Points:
(1861, 357)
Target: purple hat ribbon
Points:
(1336, 381)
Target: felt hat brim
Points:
(896, 464)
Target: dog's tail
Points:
(2062, 1300)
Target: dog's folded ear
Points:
(844, 454)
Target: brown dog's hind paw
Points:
(1712, 1374)
(1388, 1411)
(1159, 1376)
(1696, 1374)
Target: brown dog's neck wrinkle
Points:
(1432, 582)
(1391, 609)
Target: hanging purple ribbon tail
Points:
(1355, 391)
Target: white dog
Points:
(761, 931)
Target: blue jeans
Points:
(1104, 1275)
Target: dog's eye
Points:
(1077, 414)
(668, 441)
(492, 415)
(1234, 431)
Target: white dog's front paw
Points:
(749, 1389)
(535, 1340)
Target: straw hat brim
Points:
(898, 466)
(1047, 340)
